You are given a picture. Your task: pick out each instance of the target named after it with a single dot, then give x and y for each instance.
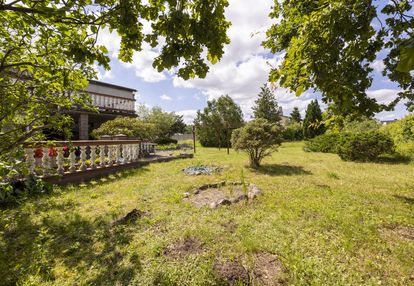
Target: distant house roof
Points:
(385, 122)
(112, 85)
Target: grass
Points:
(329, 222)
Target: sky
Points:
(241, 72)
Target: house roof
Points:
(112, 85)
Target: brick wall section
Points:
(83, 127)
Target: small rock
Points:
(238, 198)
(254, 192)
(213, 205)
(224, 202)
(204, 187)
(196, 191)
(186, 195)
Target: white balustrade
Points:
(93, 157)
(61, 160)
(30, 160)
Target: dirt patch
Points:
(212, 195)
(406, 232)
(231, 272)
(267, 269)
(230, 226)
(130, 217)
(184, 247)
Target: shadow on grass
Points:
(281, 170)
(31, 249)
(394, 159)
(112, 177)
(28, 197)
(405, 199)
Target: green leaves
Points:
(329, 45)
(406, 63)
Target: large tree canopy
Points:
(329, 46)
(217, 120)
(48, 51)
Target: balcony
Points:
(113, 104)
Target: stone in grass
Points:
(254, 192)
(186, 195)
(238, 198)
(222, 202)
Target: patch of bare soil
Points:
(231, 273)
(130, 217)
(213, 195)
(406, 232)
(230, 226)
(267, 269)
(184, 247)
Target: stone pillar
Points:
(83, 127)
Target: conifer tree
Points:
(266, 106)
(312, 124)
(295, 115)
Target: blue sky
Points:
(241, 72)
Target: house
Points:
(386, 122)
(284, 120)
(110, 100)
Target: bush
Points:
(258, 139)
(364, 146)
(326, 143)
(129, 126)
(165, 141)
(171, 146)
(402, 132)
(293, 132)
(14, 187)
(362, 125)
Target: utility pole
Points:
(194, 140)
(228, 139)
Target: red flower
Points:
(53, 152)
(38, 153)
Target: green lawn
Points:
(329, 222)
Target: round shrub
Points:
(165, 141)
(364, 146)
(326, 143)
(293, 132)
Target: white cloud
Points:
(245, 65)
(188, 115)
(110, 40)
(105, 75)
(142, 65)
(378, 66)
(165, 97)
(141, 61)
(383, 96)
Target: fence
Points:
(63, 158)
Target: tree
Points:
(49, 51)
(329, 46)
(312, 124)
(266, 106)
(295, 115)
(166, 124)
(129, 126)
(258, 138)
(215, 123)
